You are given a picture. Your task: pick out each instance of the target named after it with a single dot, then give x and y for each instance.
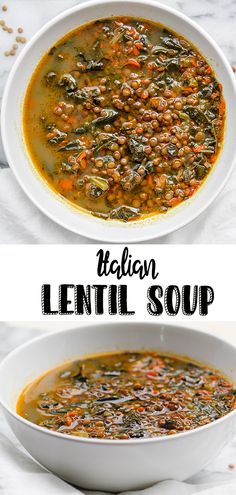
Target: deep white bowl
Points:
(36, 187)
(116, 465)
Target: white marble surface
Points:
(21, 222)
(20, 475)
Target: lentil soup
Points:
(127, 395)
(124, 118)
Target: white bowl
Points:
(116, 465)
(36, 187)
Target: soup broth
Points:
(124, 118)
(127, 395)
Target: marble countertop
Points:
(217, 225)
(220, 472)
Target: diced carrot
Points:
(141, 409)
(136, 51)
(83, 164)
(66, 184)
(222, 106)
(51, 135)
(133, 62)
(145, 81)
(132, 31)
(209, 70)
(174, 201)
(215, 95)
(71, 414)
(212, 158)
(144, 94)
(72, 120)
(81, 156)
(150, 180)
(192, 191)
(199, 148)
(69, 421)
(188, 89)
(151, 373)
(212, 378)
(203, 392)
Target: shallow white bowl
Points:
(116, 465)
(34, 185)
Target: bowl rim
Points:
(142, 235)
(113, 442)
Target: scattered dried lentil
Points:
(21, 39)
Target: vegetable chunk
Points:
(127, 111)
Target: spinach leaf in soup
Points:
(124, 118)
(125, 395)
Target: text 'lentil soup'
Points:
(124, 118)
(127, 395)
